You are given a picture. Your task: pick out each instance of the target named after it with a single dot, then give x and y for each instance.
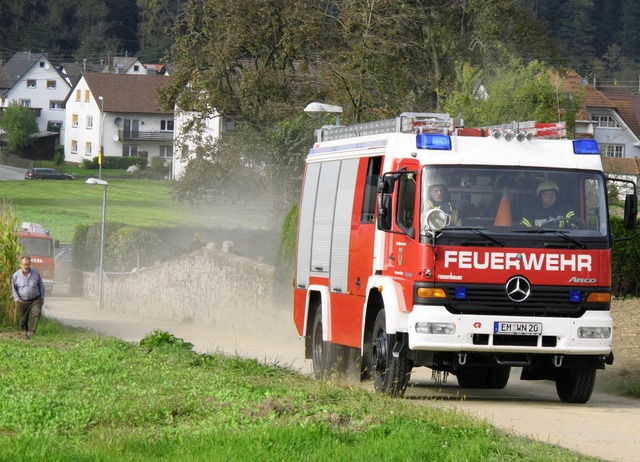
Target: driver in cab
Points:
(438, 200)
(548, 209)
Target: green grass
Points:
(72, 395)
(61, 206)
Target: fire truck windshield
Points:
(37, 246)
(509, 200)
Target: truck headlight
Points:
(436, 328)
(594, 332)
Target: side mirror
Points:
(386, 184)
(56, 244)
(630, 211)
(384, 215)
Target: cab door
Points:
(402, 253)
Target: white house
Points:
(121, 112)
(30, 80)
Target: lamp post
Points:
(319, 109)
(101, 153)
(93, 181)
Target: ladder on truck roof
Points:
(431, 122)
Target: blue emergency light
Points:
(461, 293)
(574, 296)
(585, 147)
(434, 141)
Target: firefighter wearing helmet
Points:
(437, 199)
(548, 210)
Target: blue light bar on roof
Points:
(435, 141)
(585, 147)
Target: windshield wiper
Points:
(562, 234)
(477, 230)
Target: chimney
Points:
(84, 65)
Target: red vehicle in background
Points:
(39, 246)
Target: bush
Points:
(113, 162)
(10, 248)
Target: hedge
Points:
(115, 162)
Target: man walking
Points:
(28, 292)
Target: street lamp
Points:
(93, 181)
(319, 109)
(101, 153)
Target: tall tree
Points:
(243, 58)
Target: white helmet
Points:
(547, 185)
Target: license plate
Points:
(517, 328)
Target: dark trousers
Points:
(33, 308)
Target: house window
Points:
(136, 68)
(87, 148)
(166, 125)
(31, 83)
(86, 96)
(41, 64)
(25, 102)
(51, 84)
(129, 150)
(612, 150)
(605, 121)
(74, 120)
(54, 126)
(74, 146)
(56, 105)
(228, 125)
(78, 95)
(89, 121)
(166, 151)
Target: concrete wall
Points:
(202, 286)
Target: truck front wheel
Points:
(575, 385)
(390, 374)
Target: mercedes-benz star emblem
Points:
(518, 289)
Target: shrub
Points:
(10, 249)
(115, 162)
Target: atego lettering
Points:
(467, 259)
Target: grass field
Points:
(60, 206)
(72, 395)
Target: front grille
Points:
(492, 299)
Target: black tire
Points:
(575, 385)
(390, 375)
(324, 355)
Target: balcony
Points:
(136, 135)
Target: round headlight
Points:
(435, 220)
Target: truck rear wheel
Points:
(575, 385)
(390, 375)
(325, 356)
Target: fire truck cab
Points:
(480, 280)
(40, 246)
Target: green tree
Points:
(517, 92)
(19, 124)
(243, 59)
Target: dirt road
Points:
(606, 427)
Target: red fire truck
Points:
(387, 281)
(39, 245)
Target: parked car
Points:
(46, 174)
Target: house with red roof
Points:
(121, 113)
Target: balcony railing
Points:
(134, 135)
